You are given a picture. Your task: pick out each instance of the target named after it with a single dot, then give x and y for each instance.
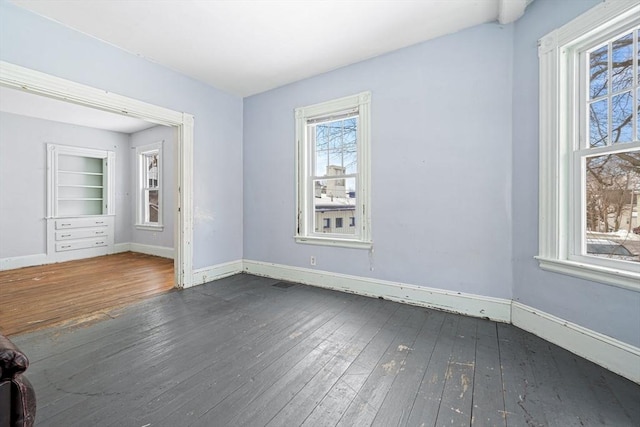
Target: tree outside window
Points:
(612, 176)
(333, 172)
(590, 146)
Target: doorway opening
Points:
(24, 79)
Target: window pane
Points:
(611, 203)
(598, 122)
(598, 66)
(151, 206)
(336, 148)
(622, 117)
(334, 205)
(621, 63)
(151, 170)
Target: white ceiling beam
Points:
(511, 10)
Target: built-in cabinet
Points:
(80, 194)
(80, 237)
(81, 184)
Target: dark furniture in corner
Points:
(17, 396)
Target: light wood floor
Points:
(252, 351)
(78, 291)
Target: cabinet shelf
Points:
(80, 200)
(80, 186)
(81, 172)
(81, 181)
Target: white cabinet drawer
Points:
(80, 237)
(81, 233)
(80, 244)
(65, 223)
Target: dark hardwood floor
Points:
(79, 291)
(251, 351)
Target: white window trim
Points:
(303, 233)
(557, 126)
(141, 224)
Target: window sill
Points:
(149, 227)
(620, 278)
(343, 243)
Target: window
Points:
(332, 169)
(149, 210)
(352, 221)
(590, 146)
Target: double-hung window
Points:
(590, 146)
(332, 170)
(149, 189)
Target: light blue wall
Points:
(441, 165)
(610, 310)
(455, 139)
(23, 179)
(452, 132)
(37, 43)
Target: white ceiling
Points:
(27, 104)
(250, 46)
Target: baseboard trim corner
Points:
(497, 309)
(160, 251)
(215, 272)
(121, 247)
(612, 354)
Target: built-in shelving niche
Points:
(80, 181)
(80, 209)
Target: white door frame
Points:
(39, 83)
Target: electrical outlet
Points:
(312, 260)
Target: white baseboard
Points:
(612, 354)
(160, 251)
(11, 263)
(215, 272)
(456, 302)
(121, 247)
(23, 261)
(617, 356)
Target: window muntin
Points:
(149, 205)
(335, 145)
(612, 83)
(608, 171)
(335, 169)
(583, 83)
(333, 172)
